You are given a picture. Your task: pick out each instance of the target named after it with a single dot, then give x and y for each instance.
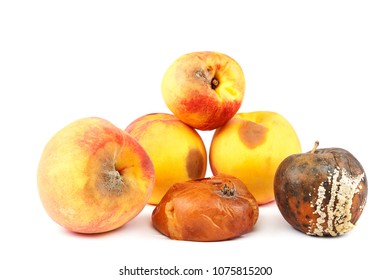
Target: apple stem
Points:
(316, 144)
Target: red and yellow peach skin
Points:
(204, 89)
(250, 147)
(176, 150)
(94, 177)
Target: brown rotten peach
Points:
(204, 89)
(209, 209)
(176, 150)
(94, 177)
(250, 147)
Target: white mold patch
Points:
(335, 216)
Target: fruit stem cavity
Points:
(214, 83)
(114, 182)
(228, 192)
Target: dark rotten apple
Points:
(322, 192)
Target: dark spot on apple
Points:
(314, 171)
(306, 197)
(302, 167)
(326, 185)
(292, 190)
(194, 164)
(286, 187)
(252, 134)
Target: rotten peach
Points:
(208, 209)
(250, 147)
(94, 177)
(204, 89)
(176, 150)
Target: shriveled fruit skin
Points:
(321, 193)
(209, 209)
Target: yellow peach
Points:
(176, 150)
(250, 147)
(94, 177)
(204, 89)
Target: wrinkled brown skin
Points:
(198, 210)
(301, 174)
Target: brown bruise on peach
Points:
(252, 134)
(194, 164)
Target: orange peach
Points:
(204, 89)
(250, 147)
(94, 177)
(176, 150)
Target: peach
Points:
(94, 177)
(204, 89)
(250, 147)
(176, 150)
(207, 209)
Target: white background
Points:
(324, 65)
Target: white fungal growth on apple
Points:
(338, 209)
(319, 210)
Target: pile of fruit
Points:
(94, 177)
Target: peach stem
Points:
(214, 83)
(228, 192)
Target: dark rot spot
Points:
(194, 164)
(252, 134)
(302, 167)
